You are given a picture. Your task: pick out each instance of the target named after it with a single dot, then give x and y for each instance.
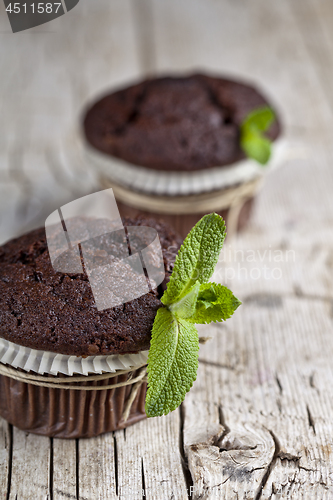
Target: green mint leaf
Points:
(256, 146)
(208, 293)
(260, 119)
(197, 257)
(172, 363)
(185, 307)
(215, 303)
(252, 140)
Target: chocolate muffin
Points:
(55, 312)
(170, 146)
(173, 123)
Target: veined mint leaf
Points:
(172, 363)
(215, 303)
(197, 257)
(252, 140)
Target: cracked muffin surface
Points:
(53, 311)
(175, 123)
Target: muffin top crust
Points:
(175, 123)
(53, 311)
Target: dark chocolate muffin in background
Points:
(170, 147)
(175, 123)
(53, 311)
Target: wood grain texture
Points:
(266, 369)
(258, 41)
(30, 474)
(258, 421)
(52, 72)
(97, 468)
(64, 469)
(159, 445)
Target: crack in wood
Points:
(270, 467)
(285, 455)
(51, 470)
(237, 467)
(311, 381)
(63, 493)
(216, 365)
(268, 299)
(240, 454)
(186, 471)
(226, 429)
(301, 295)
(306, 469)
(77, 470)
(281, 455)
(279, 405)
(116, 462)
(143, 480)
(310, 420)
(279, 383)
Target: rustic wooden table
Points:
(258, 423)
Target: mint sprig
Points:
(252, 139)
(189, 299)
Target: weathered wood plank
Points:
(97, 468)
(159, 444)
(244, 39)
(260, 415)
(64, 469)
(146, 455)
(30, 477)
(267, 274)
(129, 461)
(269, 371)
(41, 112)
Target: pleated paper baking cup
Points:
(69, 413)
(52, 363)
(159, 182)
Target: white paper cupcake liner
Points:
(181, 183)
(52, 363)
